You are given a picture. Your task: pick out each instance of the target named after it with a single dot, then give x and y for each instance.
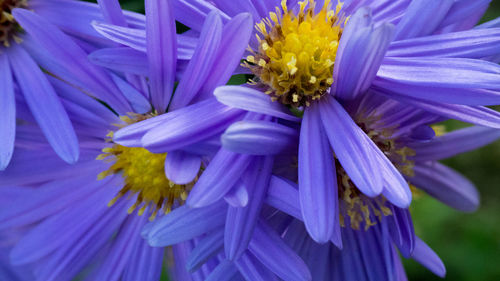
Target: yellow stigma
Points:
(296, 53)
(144, 174)
(8, 25)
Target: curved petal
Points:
(353, 148)
(446, 185)
(122, 59)
(428, 258)
(252, 100)
(208, 247)
(317, 178)
(182, 167)
(454, 143)
(258, 137)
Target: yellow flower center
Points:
(8, 25)
(296, 53)
(144, 174)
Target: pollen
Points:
(8, 25)
(356, 208)
(144, 176)
(296, 52)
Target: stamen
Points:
(296, 53)
(144, 176)
(8, 25)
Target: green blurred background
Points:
(469, 244)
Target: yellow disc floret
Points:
(296, 53)
(144, 174)
(8, 25)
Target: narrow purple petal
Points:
(220, 175)
(252, 100)
(183, 224)
(45, 105)
(446, 185)
(317, 178)
(272, 251)
(428, 258)
(251, 269)
(356, 69)
(122, 59)
(454, 143)
(352, 147)
(72, 58)
(138, 102)
(259, 138)
(240, 222)
(235, 38)
(8, 109)
(284, 196)
(182, 167)
(401, 230)
(161, 46)
(146, 264)
(208, 247)
(225, 271)
(422, 18)
(112, 12)
(198, 68)
(192, 124)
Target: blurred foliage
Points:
(469, 244)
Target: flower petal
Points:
(241, 221)
(428, 258)
(353, 148)
(252, 100)
(45, 105)
(446, 185)
(8, 109)
(258, 138)
(182, 167)
(198, 68)
(122, 59)
(208, 247)
(454, 143)
(317, 178)
(161, 45)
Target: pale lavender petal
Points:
(8, 109)
(138, 102)
(238, 195)
(446, 185)
(161, 47)
(182, 167)
(45, 105)
(192, 124)
(317, 178)
(259, 138)
(252, 100)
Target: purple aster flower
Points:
(95, 234)
(22, 82)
